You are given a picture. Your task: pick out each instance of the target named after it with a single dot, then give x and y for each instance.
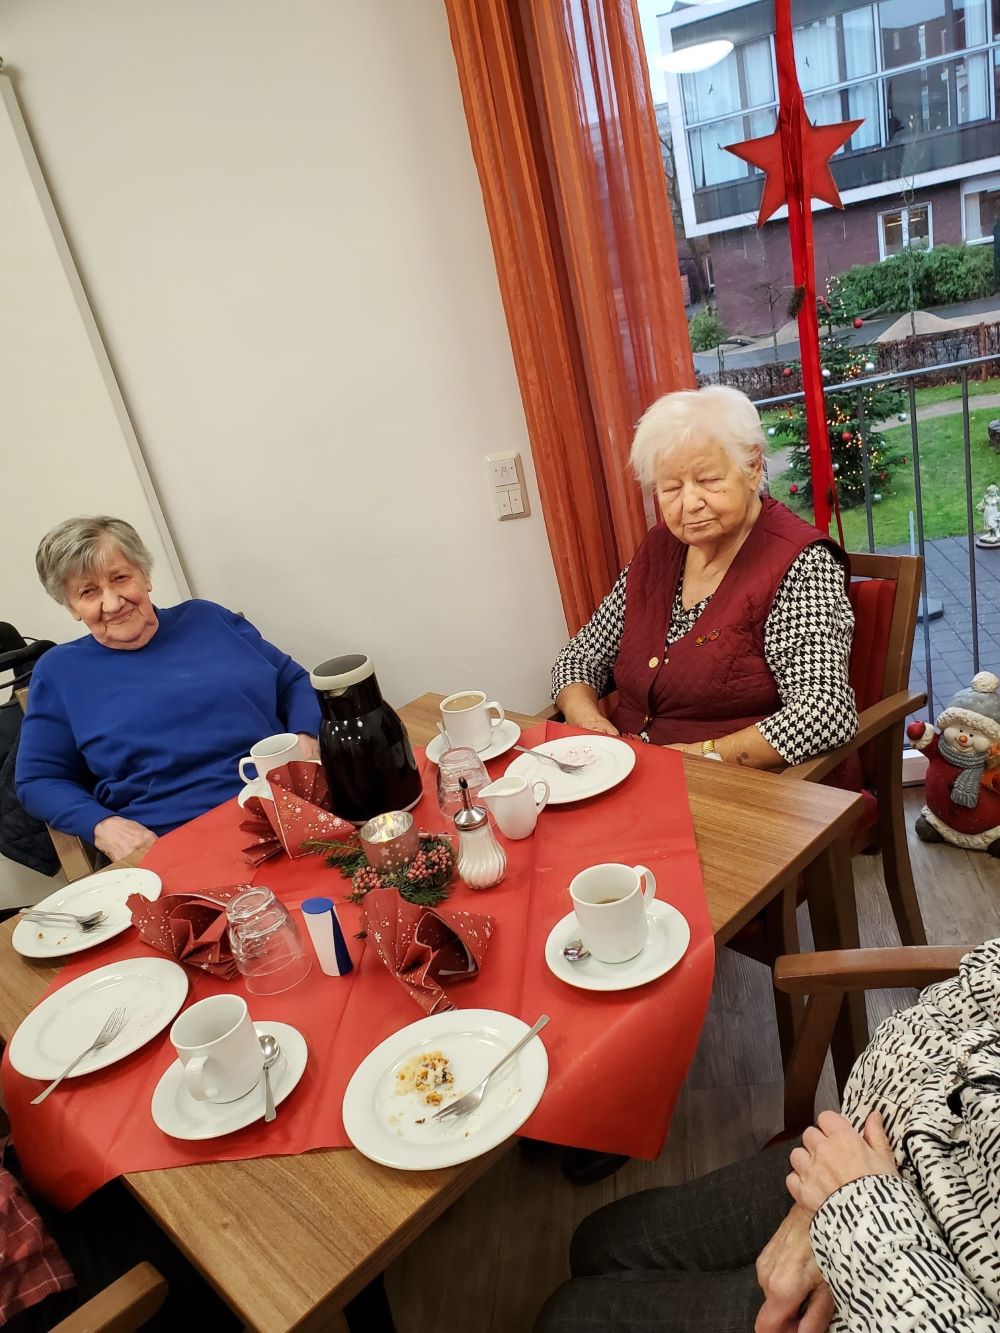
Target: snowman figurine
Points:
(962, 785)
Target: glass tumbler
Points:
(266, 945)
(454, 764)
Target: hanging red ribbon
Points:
(796, 163)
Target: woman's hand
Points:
(833, 1154)
(310, 745)
(596, 722)
(118, 838)
(789, 1278)
(578, 705)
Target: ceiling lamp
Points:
(691, 59)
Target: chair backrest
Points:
(74, 855)
(884, 593)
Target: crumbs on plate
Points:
(428, 1075)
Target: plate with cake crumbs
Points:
(601, 763)
(394, 1094)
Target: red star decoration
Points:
(819, 143)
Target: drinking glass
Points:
(454, 764)
(266, 945)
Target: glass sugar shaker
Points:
(482, 862)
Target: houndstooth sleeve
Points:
(807, 643)
(589, 657)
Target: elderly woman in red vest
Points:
(728, 634)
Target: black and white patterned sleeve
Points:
(590, 655)
(807, 643)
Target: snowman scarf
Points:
(965, 789)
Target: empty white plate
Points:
(397, 1127)
(605, 761)
(669, 937)
(151, 990)
(181, 1116)
(506, 735)
(104, 892)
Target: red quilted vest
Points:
(715, 679)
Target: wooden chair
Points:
(126, 1305)
(76, 857)
(825, 979)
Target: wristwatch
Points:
(709, 751)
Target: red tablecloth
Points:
(616, 1060)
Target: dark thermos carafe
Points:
(363, 744)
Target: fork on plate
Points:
(113, 1025)
(43, 917)
(559, 763)
(472, 1099)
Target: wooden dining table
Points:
(324, 1224)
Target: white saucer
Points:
(398, 1129)
(104, 892)
(178, 1114)
(152, 990)
(506, 734)
(259, 787)
(669, 937)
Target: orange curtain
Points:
(564, 136)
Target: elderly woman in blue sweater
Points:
(140, 726)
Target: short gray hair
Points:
(81, 545)
(695, 416)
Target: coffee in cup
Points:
(466, 717)
(611, 902)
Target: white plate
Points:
(611, 761)
(507, 734)
(178, 1114)
(103, 892)
(68, 1020)
(669, 937)
(386, 1125)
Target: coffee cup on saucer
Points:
(217, 1044)
(611, 902)
(467, 720)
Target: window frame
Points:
(904, 211)
(976, 186)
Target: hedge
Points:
(942, 276)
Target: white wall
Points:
(275, 212)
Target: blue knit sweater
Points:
(154, 734)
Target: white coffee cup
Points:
(515, 804)
(271, 752)
(466, 717)
(611, 902)
(217, 1045)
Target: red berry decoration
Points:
(793, 489)
(787, 372)
(859, 322)
(846, 436)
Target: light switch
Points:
(506, 476)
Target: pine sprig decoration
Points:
(424, 881)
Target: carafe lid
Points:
(339, 673)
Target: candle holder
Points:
(390, 841)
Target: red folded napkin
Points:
(299, 812)
(190, 927)
(424, 946)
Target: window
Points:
(900, 227)
(981, 208)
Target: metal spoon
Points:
(271, 1049)
(575, 952)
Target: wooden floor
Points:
(488, 1264)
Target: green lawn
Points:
(942, 478)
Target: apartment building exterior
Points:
(923, 168)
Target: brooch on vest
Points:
(707, 638)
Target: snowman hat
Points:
(977, 708)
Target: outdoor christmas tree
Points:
(842, 363)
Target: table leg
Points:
(369, 1311)
(833, 912)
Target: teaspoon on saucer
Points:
(271, 1049)
(574, 952)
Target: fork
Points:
(537, 754)
(41, 915)
(472, 1099)
(114, 1024)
